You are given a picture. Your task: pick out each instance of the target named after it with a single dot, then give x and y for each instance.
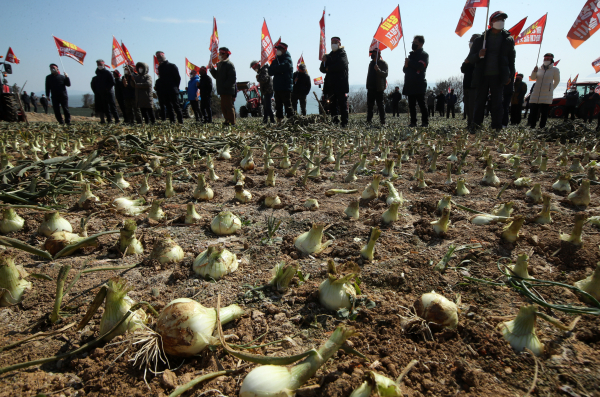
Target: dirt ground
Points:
(49, 118)
(473, 360)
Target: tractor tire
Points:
(243, 112)
(188, 112)
(9, 108)
(557, 112)
(257, 112)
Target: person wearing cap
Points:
(131, 112)
(225, 77)
(102, 85)
(44, 103)
(266, 89)
(282, 70)
(206, 88)
(376, 85)
(546, 79)
(469, 93)
(494, 69)
(336, 87)
(302, 87)
(572, 99)
(517, 100)
(169, 74)
(193, 94)
(415, 83)
(119, 93)
(56, 90)
(395, 97)
(451, 100)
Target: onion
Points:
(225, 223)
(215, 262)
(203, 191)
(238, 176)
(520, 268)
(352, 210)
(445, 202)
(576, 166)
(145, 187)
(53, 222)
(247, 162)
(311, 204)
(511, 231)
(563, 185)
(520, 332)
(393, 195)
(12, 282)
(241, 194)
(224, 153)
(591, 285)
(372, 190)
(582, 195)
(544, 216)
(351, 177)
(11, 221)
(156, 213)
(337, 291)
(504, 209)
(166, 251)
(87, 195)
(461, 189)
(575, 237)
(191, 216)
(169, 191)
(391, 214)
(117, 304)
(368, 251)
(310, 242)
(271, 177)
(535, 193)
(441, 225)
(272, 202)
(120, 181)
(437, 309)
(128, 244)
(490, 177)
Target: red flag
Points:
(10, 57)
(66, 49)
(390, 30)
(515, 30)
(556, 63)
(575, 79)
(155, 65)
(569, 84)
(300, 62)
(477, 3)
(467, 16)
(189, 67)
(597, 90)
(128, 58)
(277, 42)
(267, 50)
(322, 46)
(318, 81)
(533, 34)
(586, 23)
(118, 58)
(376, 44)
(596, 65)
(214, 45)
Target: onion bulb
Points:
(437, 309)
(511, 231)
(490, 177)
(224, 153)
(445, 202)
(87, 195)
(563, 185)
(271, 177)
(582, 195)
(12, 282)
(311, 204)
(120, 181)
(169, 191)
(576, 166)
(391, 214)
(247, 162)
(191, 216)
(337, 291)
(535, 193)
(590, 284)
(145, 187)
(352, 210)
(461, 189)
(575, 237)
(504, 209)
(166, 250)
(520, 332)
(544, 216)
(11, 221)
(215, 262)
(241, 194)
(116, 305)
(272, 202)
(238, 176)
(53, 222)
(129, 207)
(225, 223)
(486, 219)
(372, 189)
(520, 268)
(368, 251)
(156, 213)
(203, 191)
(441, 225)
(393, 195)
(310, 242)
(128, 243)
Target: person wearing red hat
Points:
(546, 79)
(282, 70)
(335, 67)
(225, 78)
(493, 55)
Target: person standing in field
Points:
(376, 84)
(206, 88)
(56, 90)
(103, 88)
(571, 103)
(282, 70)
(517, 100)
(44, 103)
(469, 93)
(26, 101)
(193, 94)
(335, 67)
(266, 89)
(225, 77)
(119, 93)
(33, 101)
(144, 100)
(395, 97)
(302, 86)
(431, 104)
(546, 79)
(169, 74)
(415, 82)
(131, 111)
(450, 103)
(440, 100)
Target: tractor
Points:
(186, 107)
(9, 101)
(253, 99)
(557, 108)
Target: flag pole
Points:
(60, 58)
(540, 50)
(487, 16)
(403, 40)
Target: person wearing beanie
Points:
(225, 78)
(102, 85)
(415, 83)
(336, 87)
(302, 87)
(206, 87)
(266, 89)
(376, 85)
(546, 79)
(282, 70)
(170, 80)
(56, 90)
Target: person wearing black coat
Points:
(571, 105)
(395, 97)
(169, 74)
(282, 70)
(469, 93)
(266, 89)
(131, 112)
(98, 107)
(451, 99)
(590, 101)
(376, 85)
(103, 87)
(56, 90)
(415, 83)
(431, 104)
(440, 101)
(119, 94)
(335, 67)
(302, 86)
(206, 88)
(33, 101)
(518, 97)
(44, 103)
(26, 101)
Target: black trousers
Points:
(172, 105)
(506, 98)
(372, 97)
(63, 103)
(206, 109)
(108, 107)
(131, 112)
(267, 107)
(450, 108)
(283, 99)
(26, 106)
(196, 108)
(431, 111)
(121, 102)
(395, 108)
(299, 98)
(489, 84)
(34, 106)
(412, 107)
(45, 108)
(588, 114)
(469, 104)
(515, 114)
(148, 115)
(162, 107)
(570, 110)
(539, 110)
(339, 105)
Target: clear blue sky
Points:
(182, 29)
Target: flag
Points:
(467, 16)
(515, 30)
(477, 3)
(214, 45)
(597, 90)
(189, 67)
(318, 81)
(277, 42)
(10, 57)
(575, 80)
(128, 58)
(322, 46)
(556, 63)
(390, 30)
(449, 90)
(267, 50)
(569, 84)
(595, 64)
(155, 65)
(586, 23)
(66, 49)
(533, 34)
(118, 58)
(375, 44)
(300, 62)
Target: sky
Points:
(182, 29)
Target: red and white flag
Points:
(477, 3)
(533, 34)
(390, 30)
(66, 49)
(267, 50)
(214, 45)
(189, 67)
(586, 23)
(516, 30)
(10, 57)
(318, 81)
(556, 63)
(128, 58)
(569, 84)
(596, 65)
(118, 58)
(155, 65)
(322, 46)
(467, 16)
(300, 62)
(375, 44)
(575, 79)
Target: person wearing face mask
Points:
(266, 89)
(376, 84)
(395, 98)
(169, 74)
(546, 79)
(103, 88)
(571, 103)
(494, 69)
(56, 90)
(119, 93)
(206, 87)
(470, 93)
(415, 83)
(144, 100)
(517, 100)
(335, 67)
(302, 86)
(282, 70)
(225, 77)
(131, 111)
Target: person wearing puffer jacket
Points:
(143, 92)
(546, 79)
(282, 70)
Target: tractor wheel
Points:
(188, 112)
(557, 112)
(243, 112)
(257, 112)
(9, 109)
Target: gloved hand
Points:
(66, 75)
